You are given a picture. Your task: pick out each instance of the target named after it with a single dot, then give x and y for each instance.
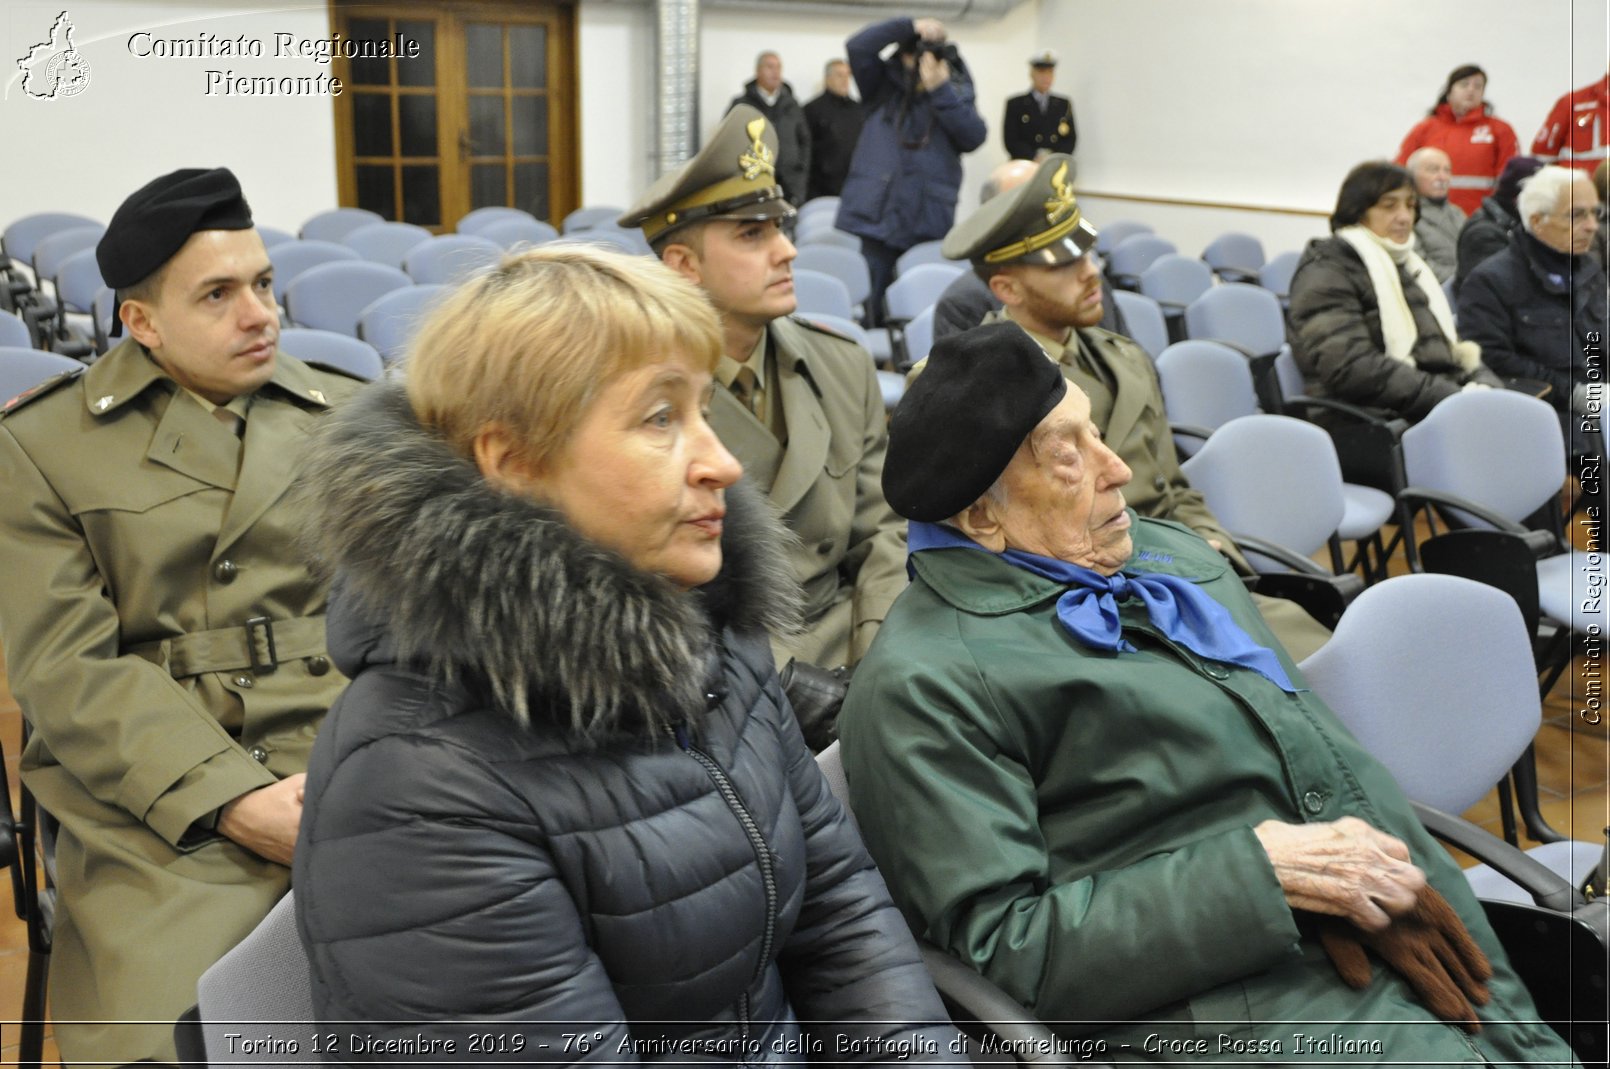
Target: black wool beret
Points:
(159, 217)
(956, 429)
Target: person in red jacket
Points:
(1577, 129)
(1477, 141)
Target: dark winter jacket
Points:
(907, 168)
(1338, 343)
(1536, 313)
(835, 123)
(793, 136)
(1486, 233)
(564, 799)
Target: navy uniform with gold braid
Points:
(1029, 131)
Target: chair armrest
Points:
(1191, 430)
(1292, 561)
(1542, 543)
(1351, 411)
(969, 996)
(189, 1039)
(1546, 887)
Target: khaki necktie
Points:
(746, 388)
(236, 424)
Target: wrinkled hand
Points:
(1344, 868)
(929, 29)
(1429, 947)
(932, 71)
(265, 821)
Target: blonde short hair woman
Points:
(564, 793)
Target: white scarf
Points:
(1381, 258)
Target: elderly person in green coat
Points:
(1086, 769)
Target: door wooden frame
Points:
(451, 77)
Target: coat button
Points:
(259, 755)
(225, 571)
(318, 666)
(1314, 802)
(245, 682)
(1159, 482)
(824, 547)
(1216, 671)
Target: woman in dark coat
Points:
(564, 813)
(1372, 327)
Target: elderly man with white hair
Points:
(1086, 769)
(1437, 229)
(1538, 308)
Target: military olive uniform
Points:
(166, 643)
(827, 482)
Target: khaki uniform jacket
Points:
(828, 484)
(140, 537)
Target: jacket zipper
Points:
(763, 856)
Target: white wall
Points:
(139, 118)
(617, 44)
(1270, 102)
(1248, 101)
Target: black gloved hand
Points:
(816, 694)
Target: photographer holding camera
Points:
(906, 171)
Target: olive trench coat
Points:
(141, 537)
(827, 482)
(1077, 824)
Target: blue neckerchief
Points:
(1177, 607)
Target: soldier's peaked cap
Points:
(1039, 222)
(734, 176)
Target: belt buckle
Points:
(266, 626)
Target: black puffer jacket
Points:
(1338, 343)
(1536, 314)
(564, 800)
(1485, 233)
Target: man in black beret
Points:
(162, 634)
(1035, 249)
(1086, 768)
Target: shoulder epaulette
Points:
(347, 373)
(50, 385)
(811, 324)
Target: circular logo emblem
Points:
(67, 74)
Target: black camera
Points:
(938, 49)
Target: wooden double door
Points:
(480, 110)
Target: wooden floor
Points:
(1573, 758)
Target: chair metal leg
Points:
(1525, 774)
(31, 1049)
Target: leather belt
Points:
(260, 644)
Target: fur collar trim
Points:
(476, 583)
